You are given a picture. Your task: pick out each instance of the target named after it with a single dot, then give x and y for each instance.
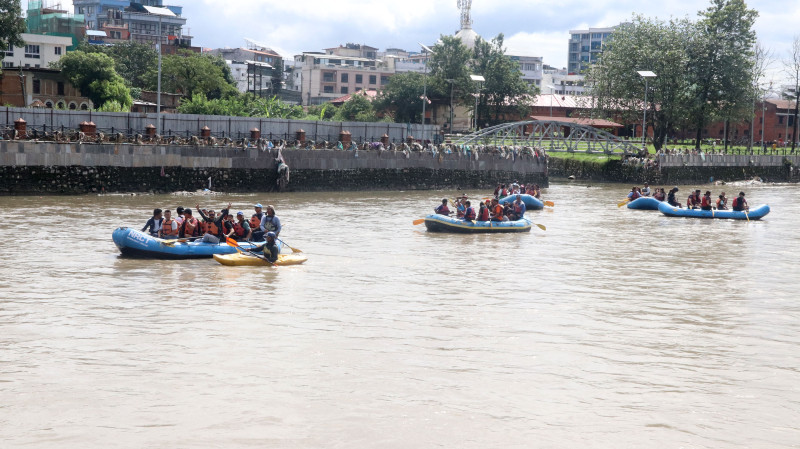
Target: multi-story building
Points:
(40, 88)
(54, 21)
(562, 82)
(137, 21)
(585, 47)
(39, 51)
(325, 76)
(530, 68)
(252, 68)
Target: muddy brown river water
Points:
(614, 328)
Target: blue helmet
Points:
(271, 234)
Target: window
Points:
(343, 89)
(328, 77)
(32, 51)
(597, 35)
(60, 88)
(780, 120)
(37, 86)
(90, 10)
(576, 37)
(8, 65)
(57, 50)
(345, 79)
(327, 89)
(48, 104)
(359, 79)
(373, 79)
(384, 80)
(10, 51)
(90, 25)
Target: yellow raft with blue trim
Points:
(239, 259)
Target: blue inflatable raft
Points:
(531, 202)
(138, 244)
(443, 223)
(644, 203)
(753, 214)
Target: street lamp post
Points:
(645, 74)
(552, 92)
(426, 50)
(478, 79)
(161, 13)
(450, 127)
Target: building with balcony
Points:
(530, 68)
(39, 51)
(54, 21)
(585, 47)
(325, 76)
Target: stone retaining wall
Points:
(28, 167)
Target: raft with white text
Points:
(753, 214)
(443, 223)
(133, 243)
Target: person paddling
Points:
(645, 190)
(271, 250)
(469, 213)
(497, 211)
(705, 203)
(518, 209)
(269, 222)
(671, 197)
(442, 209)
(722, 202)
(483, 212)
(739, 203)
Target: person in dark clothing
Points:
(671, 198)
(271, 250)
(153, 225)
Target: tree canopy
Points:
(403, 96)
(504, 87)
(94, 75)
(190, 74)
(12, 24)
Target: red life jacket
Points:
(706, 202)
(484, 214)
(238, 229)
(469, 214)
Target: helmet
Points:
(271, 234)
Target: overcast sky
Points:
(531, 27)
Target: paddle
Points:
(746, 215)
(172, 242)
(549, 203)
(294, 250)
(417, 222)
(235, 244)
(624, 202)
(540, 226)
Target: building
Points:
(252, 68)
(54, 21)
(585, 47)
(562, 82)
(530, 68)
(40, 87)
(137, 21)
(39, 51)
(324, 76)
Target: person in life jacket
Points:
(739, 203)
(694, 200)
(483, 212)
(503, 191)
(645, 190)
(255, 223)
(705, 203)
(722, 202)
(660, 195)
(671, 197)
(214, 229)
(270, 222)
(179, 215)
(538, 191)
(633, 194)
(241, 228)
(442, 209)
(169, 227)
(497, 211)
(189, 228)
(271, 250)
(517, 209)
(469, 212)
(153, 224)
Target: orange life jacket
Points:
(498, 212)
(166, 228)
(190, 227)
(212, 228)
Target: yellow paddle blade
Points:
(622, 203)
(549, 203)
(417, 222)
(294, 250)
(541, 226)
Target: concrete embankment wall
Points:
(34, 167)
(682, 169)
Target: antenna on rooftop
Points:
(464, 6)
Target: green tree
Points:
(133, 60)
(450, 60)
(94, 75)
(403, 96)
(241, 105)
(12, 24)
(190, 74)
(792, 69)
(357, 109)
(504, 87)
(617, 88)
(277, 76)
(720, 59)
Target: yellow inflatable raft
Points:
(246, 259)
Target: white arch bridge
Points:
(550, 135)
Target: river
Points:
(613, 328)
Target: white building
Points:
(39, 51)
(585, 46)
(563, 82)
